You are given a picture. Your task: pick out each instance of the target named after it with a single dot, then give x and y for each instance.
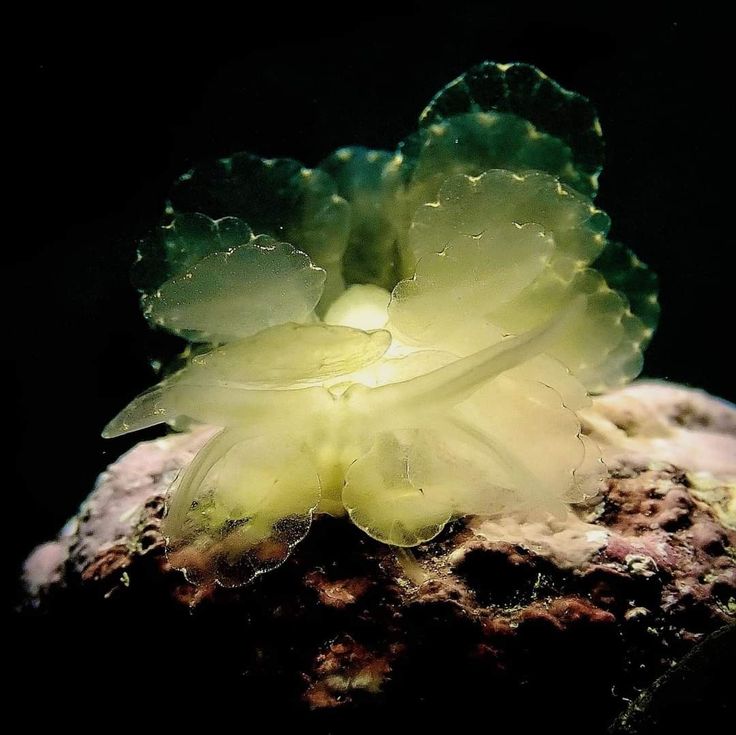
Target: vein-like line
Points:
(456, 381)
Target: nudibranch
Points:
(399, 337)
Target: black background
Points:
(106, 118)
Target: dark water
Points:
(106, 121)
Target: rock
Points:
(552, 620)
(661, 422)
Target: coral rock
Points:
(508, 613)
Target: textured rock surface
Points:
(576, 616)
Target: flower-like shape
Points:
(420, 350)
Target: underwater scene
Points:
(388, 380)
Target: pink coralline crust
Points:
(662, 422)
(659, 401)
(123, 489)
(44, 566)
(111, 526)
(661, 530)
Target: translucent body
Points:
(416, 351)
(399, 437)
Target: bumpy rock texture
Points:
(546, 621)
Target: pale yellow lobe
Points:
(465, 278)
(503, 251)
(473, 205)
(384, 499)
(291, 354)
(242, 515)
(238, 292)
